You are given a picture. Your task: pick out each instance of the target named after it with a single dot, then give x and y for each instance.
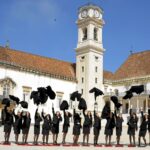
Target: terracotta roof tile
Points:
(136, 65)
(40, 63)
(108, 75)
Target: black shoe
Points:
(55, 142)
(63, 142)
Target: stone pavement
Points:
(124, 141)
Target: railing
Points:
(121, 94)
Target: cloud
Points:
(33, 11)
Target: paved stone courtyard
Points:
(124, 141)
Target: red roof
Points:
(137, 65)
(37, 63)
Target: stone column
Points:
(146, 109)
(137, 104)
(129, 106)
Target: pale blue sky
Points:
(47, 27)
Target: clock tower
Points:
(89, 53)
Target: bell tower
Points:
(89, 53)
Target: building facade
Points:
(89, 52)
(21, 72)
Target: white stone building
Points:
(21, 72)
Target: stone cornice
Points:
(88, 48)
(34, 71)
(129, 81)
(84, 22)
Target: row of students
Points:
(22, 122)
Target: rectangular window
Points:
(26, 96)
(81, 91)
(26, 93)
(95, 34)
(95, 80)
(59, 99)
(96, 69)
(82, 69)
(84, 34)
(82, 80)
(6, 90)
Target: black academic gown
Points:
(119, 121)
(110, 124)
(17, 123)
(148, 123)
(3, 115)
(46, 127)
(26, 124)
(97, 124)
(55, 122)
(143, 126)
(66, 124)
(77, 123)
(87, 123)
(37, 120)
(8, 121)
(132, 125)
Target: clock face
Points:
(96, 13)
(84, 13)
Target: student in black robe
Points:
(25, 127)
(87, 125)
(143, 128)
(55, 124)
(3, 114)
(46, 127)
(17, 125)
(8, 123)
(66, 124)
(132, 127)
(119, 121)
(149, 127)
(97, 127)
(110, 124)
(77, 127)
(37, 120)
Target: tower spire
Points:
(89, 52)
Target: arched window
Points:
(84, 34)
(6, 90)
(95, 34)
